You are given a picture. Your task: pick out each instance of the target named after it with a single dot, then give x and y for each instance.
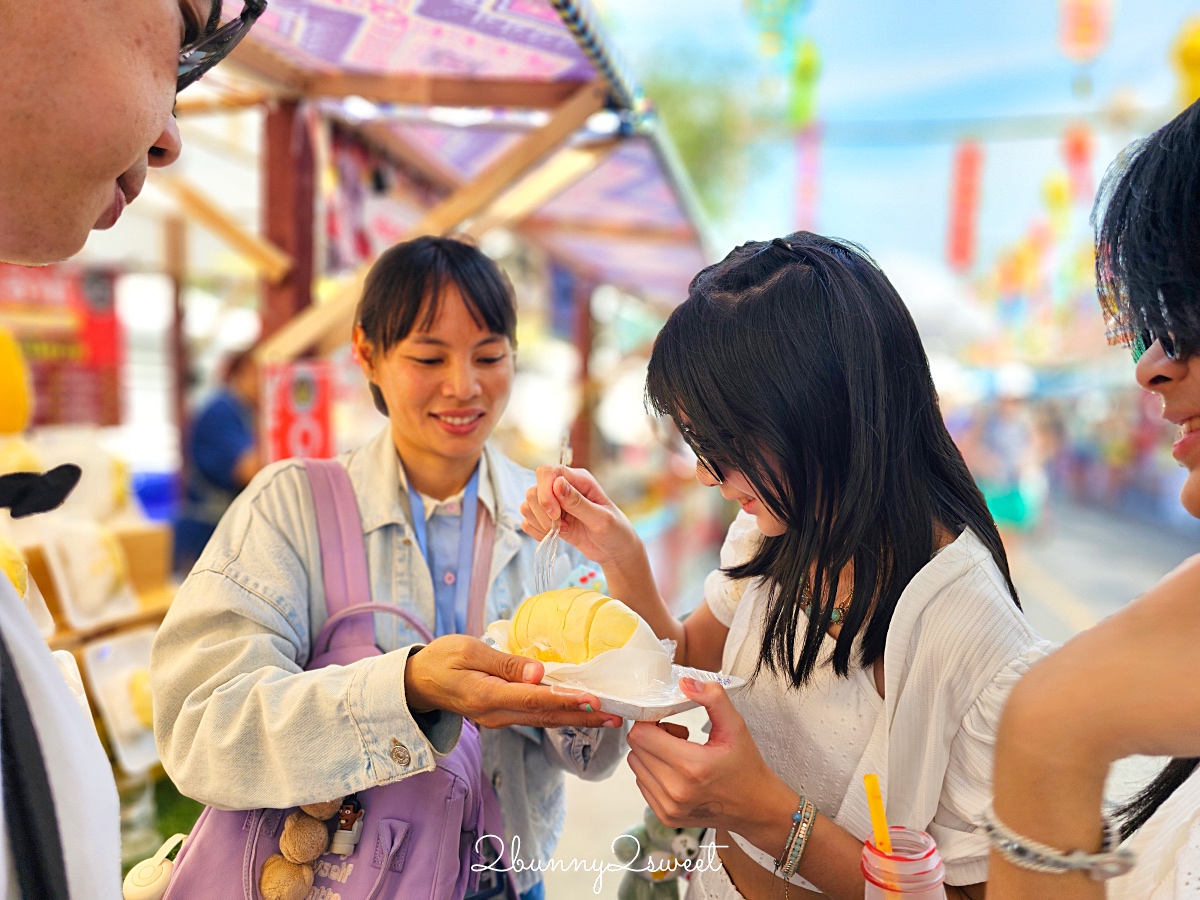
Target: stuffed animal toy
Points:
(655, 856)
(288, 875)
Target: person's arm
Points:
(595, 526)
(1125, 687)
(221, 446)
(240, 725)
(726, 784)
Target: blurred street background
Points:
(602, 153)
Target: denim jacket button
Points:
(506, 612)
(497, 780)
(400, 754)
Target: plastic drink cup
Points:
(912, 871)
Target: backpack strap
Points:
(481, 571)
(343, 551)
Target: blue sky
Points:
(949, 59)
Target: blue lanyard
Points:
(446, 618)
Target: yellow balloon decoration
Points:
(1056, 192)
(1186, 57)
(14, 386)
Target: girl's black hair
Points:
(405, 288)
(796, 363)
(1147, 223)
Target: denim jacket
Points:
(239, 723)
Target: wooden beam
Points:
(264, 256)
(542, 185)
(547, 228)
(401, 151)
(219, 103)
(175, 254)
(320, 325)
(335, 317)
(473, 198)
(270, 67)
(289, 175)
(440, 90)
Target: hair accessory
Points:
(1026, 853)
(27, 493)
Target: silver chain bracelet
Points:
(1026, 853)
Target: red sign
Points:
(65, 320)
(964, 205)
(298, 410)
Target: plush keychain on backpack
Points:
(288, 875)
(656, 857)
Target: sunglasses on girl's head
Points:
(1145, 339)
(197, 58)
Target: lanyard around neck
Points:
(446, 615)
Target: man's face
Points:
(86, 91)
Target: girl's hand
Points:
(703, 785)
(463, 675)
(590, 522)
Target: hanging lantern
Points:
(802, 104)
(964, 205)
(1077, 149)
(771, 17)
(1083, 28)
(1056, 192)
(808, 176)
(1186, 57)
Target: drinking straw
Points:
(883, 837)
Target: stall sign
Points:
(65, 320)
(298, 410)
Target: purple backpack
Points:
(421, 835)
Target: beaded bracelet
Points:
(802, 823)
(1029, 854)
(807, 818)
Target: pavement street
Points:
(1081, 566)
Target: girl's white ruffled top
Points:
(956, 646)
(1168, 851)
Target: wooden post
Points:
(583, 428)
(175, 255)
(336, 317)
(288, 211)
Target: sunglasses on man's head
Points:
(198, 57)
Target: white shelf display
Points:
(90, 572)
(118, 674)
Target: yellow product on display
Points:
(12, 565)
(571, 625)
(139, 695)
(14, 386)
(16, 454)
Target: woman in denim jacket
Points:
(241, 725)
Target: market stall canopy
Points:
(516, 111)
(506, 53)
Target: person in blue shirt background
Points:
(222, 456)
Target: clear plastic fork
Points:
(547, 548)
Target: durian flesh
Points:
(571, 625)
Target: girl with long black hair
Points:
(864, 591)
(1128, 685)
